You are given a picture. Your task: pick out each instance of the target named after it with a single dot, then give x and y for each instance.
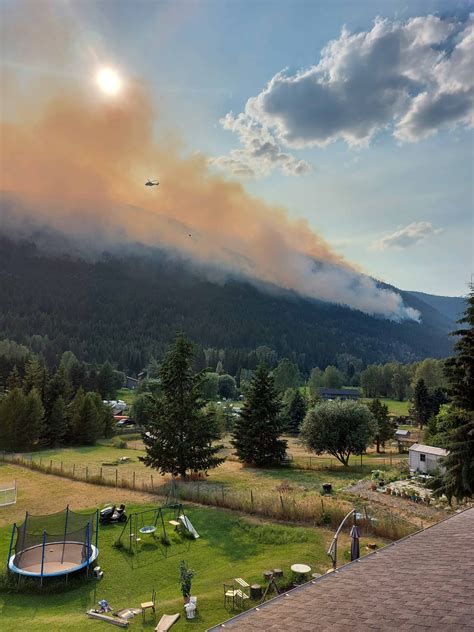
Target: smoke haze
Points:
(77, 163)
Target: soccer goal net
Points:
(7, 494)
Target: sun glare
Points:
(109, 81)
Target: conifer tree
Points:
(56, 423)
(14, 379)
(259, 426)
(30, 424)
(384, 427)
(180, 433)
(456, 480)
(296, 412)
(11, 409)
(421, 403)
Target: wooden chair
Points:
(242, 591)
(229, 594)
(149, 605)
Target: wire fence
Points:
(307, 507)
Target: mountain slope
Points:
(128, 308)
(449, 306)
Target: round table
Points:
(301, 569)
(148, 530)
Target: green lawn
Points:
(127, 395)
(229, 546)
(394, 406)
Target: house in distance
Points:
(339, 393)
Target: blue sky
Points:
(203, 60)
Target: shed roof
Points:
(402, 433)
(428, 449)
(339, 391)
(422, 582)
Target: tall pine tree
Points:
(259, 426)
(457, 479)
(179, 437)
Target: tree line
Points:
(63, 407)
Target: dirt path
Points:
(41, 493)
(417, 514)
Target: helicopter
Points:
(152, 183)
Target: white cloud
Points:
(260, 155)
(411, 77)
(406, 237)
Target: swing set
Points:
(149, 521)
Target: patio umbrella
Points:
(355, 550)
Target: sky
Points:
(340, 130)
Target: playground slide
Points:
(187, 525)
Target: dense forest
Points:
(127, 309)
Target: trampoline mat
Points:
(59, 557)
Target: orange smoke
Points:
(84, 163)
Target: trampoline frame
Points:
(93, 550)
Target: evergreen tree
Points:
(384, 426)
(460, 368)
(421, 403)
(106, 382)
(400, 382)
(105, 418)
(14, 380)
(74, 417)
(11, 410)
(457, 478)
(56, 424)
(226, 386)
(180, 433)
(258, 428)
(35, 376)
(296, 412)
(30, 425)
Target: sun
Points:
(109, 81)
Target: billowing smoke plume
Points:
(78, 164)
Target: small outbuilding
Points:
(425, 458)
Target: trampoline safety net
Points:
(63, 526)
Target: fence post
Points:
(87, 473)
(116, 477)
(51, 465)
(101, 475)
(133, 479)
(281, 502)
(151, 478)
(74, 470)
(251, 498)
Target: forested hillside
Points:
(127, 309)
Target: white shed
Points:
(425, 458)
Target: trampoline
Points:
(54, 545)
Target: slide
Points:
(188, 526)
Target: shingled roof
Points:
(423, 582)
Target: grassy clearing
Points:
(394, 406)
(229, 546)
(127, 395)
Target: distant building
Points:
(403, 438)
(425, 458)
(131, 382)
(339, 393)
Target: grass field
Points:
(394, 406)
(230, 546)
